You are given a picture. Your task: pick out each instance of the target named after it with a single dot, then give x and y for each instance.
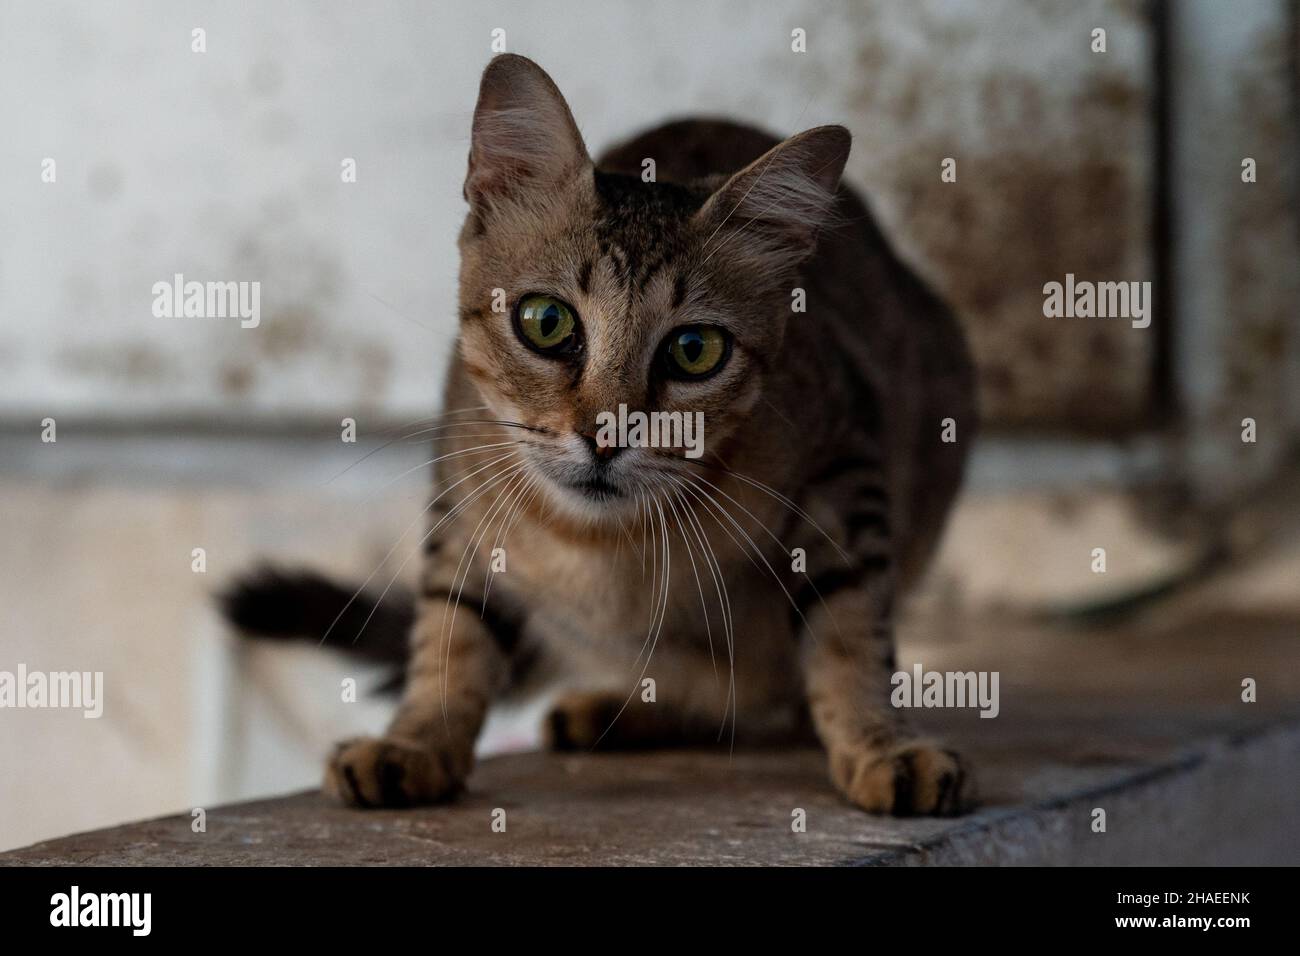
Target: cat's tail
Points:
(303, 605)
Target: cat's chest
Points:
(605, 590)
(612, 601)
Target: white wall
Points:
(225, 166)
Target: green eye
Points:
(546, 323)
(695, 351)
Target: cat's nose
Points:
(601, 452)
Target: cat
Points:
(747, 595)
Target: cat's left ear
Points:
(778, 202)
(524, 139)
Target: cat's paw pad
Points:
(385, 772)
(912, 778)
(579, 718)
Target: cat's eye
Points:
(546, 324)
(695, 351)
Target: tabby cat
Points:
(755, 585)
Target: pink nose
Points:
(602, 452)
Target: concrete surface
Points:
(1185, 806)
(1148, 726)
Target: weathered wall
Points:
(1053, 144)
(1236, 257)
(225, 165)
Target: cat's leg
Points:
(458, 663)
(848, 654)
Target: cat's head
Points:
(582, 291)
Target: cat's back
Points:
(686, 150)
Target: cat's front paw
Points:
(912, 778)
(387, 772)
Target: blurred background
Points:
(182, 433)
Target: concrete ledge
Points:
(1144, 720)
(1186, 806)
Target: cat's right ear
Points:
(776, 205)
(524, 139)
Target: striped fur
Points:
(823, 434)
